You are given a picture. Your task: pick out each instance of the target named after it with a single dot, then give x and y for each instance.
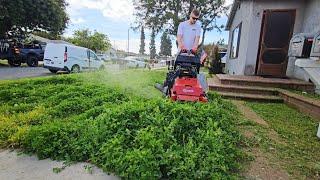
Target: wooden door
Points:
(276, 32)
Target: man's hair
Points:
(196, 12)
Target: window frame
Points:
(239, 27)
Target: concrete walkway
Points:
(15, 166)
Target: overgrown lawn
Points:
(120, 122)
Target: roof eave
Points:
(232, 14)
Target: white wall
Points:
(243, 15)
(312, 17)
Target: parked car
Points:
(134, 62)
(104, 57)
(70, 58)
(32, 54)
(18, 53)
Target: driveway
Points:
(22, 72)
(15, 166)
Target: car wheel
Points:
(14, 62)
(53, 71)
(32, 61)
(75, 69)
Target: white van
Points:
(70, 58)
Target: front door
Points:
(276, 32)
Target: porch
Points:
(257, 88)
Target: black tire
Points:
(32, 61)
(14, 62)
(53, 71)
(75, 69)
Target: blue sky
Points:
(114, 18)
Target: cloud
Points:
(115, 9)
(77, 20)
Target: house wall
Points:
(259, 7)
(250, 14)
(312, 17)
(236, 66)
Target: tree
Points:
(166, 45)
(95, 41)
(159, 14)
(19, 17)
(142, 43)
(153, 45)
(214, 59)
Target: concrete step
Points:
(258, 81)
(251, 97)
(214, 86)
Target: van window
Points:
(93, 56)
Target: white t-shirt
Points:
(189, 32)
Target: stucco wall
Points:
(250, 14)
(312, 17)
(243, 15)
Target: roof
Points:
(45, 40)
(233, 11)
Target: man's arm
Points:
(180, 42)
(197, 39)
(179, 37)
(196, 43)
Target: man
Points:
(188, 38)
(189, 33)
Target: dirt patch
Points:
(248, 134)
(261, 168)
(249, 114)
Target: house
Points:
(259, 37)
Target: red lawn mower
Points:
(183, 81)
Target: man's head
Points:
(194, 16)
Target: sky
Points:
(114, 18)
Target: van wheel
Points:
(75, 69)
(53, 71)
(32, 61)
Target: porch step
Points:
(216, 86)
(257, 81)
(251, 97)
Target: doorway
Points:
(276, 32)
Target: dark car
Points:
(17, 53)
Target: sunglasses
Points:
(194, 18)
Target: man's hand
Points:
(194, 50)
(183, 50)
(182, 47)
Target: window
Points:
(234, 50)
(93, 56)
